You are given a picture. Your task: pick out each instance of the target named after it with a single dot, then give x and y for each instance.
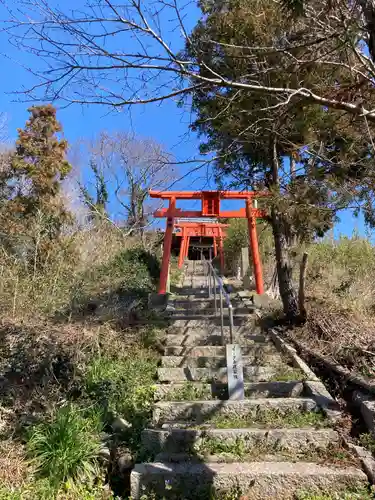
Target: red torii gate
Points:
(210, 208)
(201, 229)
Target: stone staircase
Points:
(279, 442)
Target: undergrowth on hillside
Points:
(104, 272)
(73, 361)
(340, 302)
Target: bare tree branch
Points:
(84, 61)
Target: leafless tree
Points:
(127, 167)
(122, 53)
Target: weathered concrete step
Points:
(238, 312)
(218, 362)
(257, 480)
(217, 351)
(208, 326)
(176, 391)
(189, 291)
(309, 454)
(202, 319)
(200, 302)
(201, 411)
(250, 373)
(182, 440)
(199, 339)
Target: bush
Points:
(67, 446)
(123, 387)
(137, 256)
(238, 238)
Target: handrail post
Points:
(215, 294)
(209, 280)
(222, 316)
(230, 310)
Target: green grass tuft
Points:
(243, 450)
(42, 490)
(350, 494)
(189, 392)
(272, 419)
(368, 441)
(67, 446)
(286, 373)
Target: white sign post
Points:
(235, 372)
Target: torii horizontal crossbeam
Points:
(224, 214)
(198, 195)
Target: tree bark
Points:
(292, 167)
(284, 269)
(301, 290)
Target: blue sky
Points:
(164, 122)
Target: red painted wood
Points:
(257, 265)
(167, 250)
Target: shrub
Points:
(123, 386)
(238, 238)
(139, 255)
(67, 446)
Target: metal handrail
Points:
(214, 278)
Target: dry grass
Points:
(65, 277)
(13, 466)
(340, 289)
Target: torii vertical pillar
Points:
(167, 250)
(181, 256)
(215, 247)
(184, 249)
(187, 244)
(254, 247)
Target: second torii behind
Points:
(213, 230)
(210, 208)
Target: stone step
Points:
(219, 362)
(207, 326)
(250, 374)
(217, 351)
(200, 302)
(257, 480)
(238, 312)
(182, 440)
(201, 411)
(309, 454)
(199, 339)
(201, 320)
(187, 291)
(176, 391)
(191, 340)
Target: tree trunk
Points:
(292, 167)
(284, 269)
(301, 290)
(368, 9)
